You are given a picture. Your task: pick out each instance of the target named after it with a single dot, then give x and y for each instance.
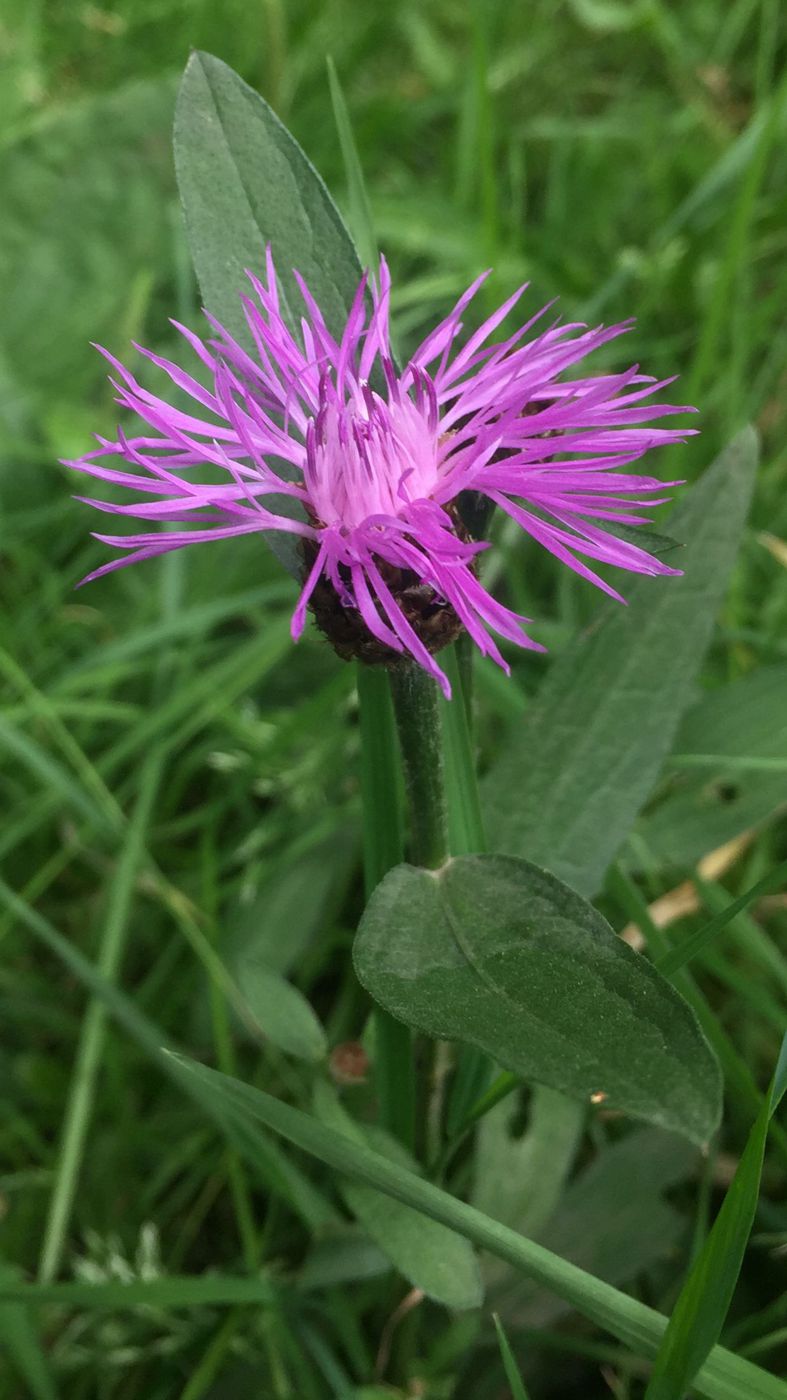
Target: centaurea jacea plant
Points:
(375, 462)
(375, 473)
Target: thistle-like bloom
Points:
(375, 463)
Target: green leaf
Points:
(20, 1339)
(723, 1377)
(361, 220)
(202, 1290)
(492, 951)
(688, 948)
(282, 1012)
(519, 1180)
(660, 545)
(568, 784)
(90, 1048)
(244, 181)
(276, 1173)
(515, 1382)
(432, 1258)
(293, 906)
(613, 1219)
(727, 770)
(339, 1255)
(698, 1315)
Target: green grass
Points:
(181, 788)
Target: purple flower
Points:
(374, 463)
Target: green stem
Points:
(445, 818)
(417, 708)
(383, 841)
(382, 850)
(466, 829)
(465, 822)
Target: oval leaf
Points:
(433, 1258)
(493, 951)
(282, 1012)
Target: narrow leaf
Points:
(727, 769)
(516, 1384)
(568, 785)
(698, 1315)
(519, 965)
(244, 181)
(519, 1180)
(209, 1290)
(276, 1172)
(92, 1037)
(20, 1340)
(360, 211)
(689, 947)
(723, 1377)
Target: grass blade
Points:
(91, 1042)
(704, 1300)
(723, 1376)
(361, 221)
(210, 1290)
(19, 1339)
(678, 957)
(517, 1385)
(272, 1166)
(737, 1075)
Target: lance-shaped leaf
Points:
(495, 952)
(244, 182)
(698, 1315)
(573, 776)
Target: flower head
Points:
(375, 462)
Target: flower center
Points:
(366, 457)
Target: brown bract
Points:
(433, 620)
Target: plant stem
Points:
(445, 815)
(383, 849)
(383, 841)
(465, 822)
(417, 708)
(467, 837)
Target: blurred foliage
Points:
(628, 157)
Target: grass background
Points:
(628, 157)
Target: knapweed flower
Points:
(375, 462)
